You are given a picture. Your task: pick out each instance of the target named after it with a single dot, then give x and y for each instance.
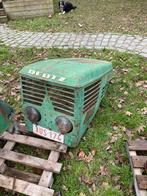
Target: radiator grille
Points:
(104, 90)
(62, 99)
(33, 91)
(91, 94)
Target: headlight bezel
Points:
(32, 114)
(63, 124)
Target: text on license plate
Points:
(52, 135)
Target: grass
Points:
(110, 122)
(93, 16)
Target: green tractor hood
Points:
(68, 72)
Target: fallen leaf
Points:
(13, 93)
(108, 148)
(128, 133)
(103, 171)
(84, 138)
(18, 98)
(122, 100)
(115, 128)
(144, 111)
(93, 151)
(140, 128)
(113, 139)
(88, 158)
(140, 83)
(64, 188)
(81, 155)
(125, 70)
(105, 184)
(93, 187)
(80, 25)
(119, 106)
(126, 93)
(82, 194)
(86, 180)
(1, 73)
(128, 113)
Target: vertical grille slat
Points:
(33, 91)
(91, 94)
(62, 99)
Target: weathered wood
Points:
(142, 181)
(138, 145)
(2, 12)
(139, 161)
(31, 161)
(8, 146)
(30, 177)
(28, 8)
(36, 142)
(24, 187)
(46, 179)
(136, 171)
(14, 3)
(27, 14)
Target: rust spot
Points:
(2, 111)
(88, 115)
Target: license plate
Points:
(52, 135)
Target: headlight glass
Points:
(64, 125)
(33, 114)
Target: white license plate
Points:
(52, 135)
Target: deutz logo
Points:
(46, 75)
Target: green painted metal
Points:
(5, 116)
(69, 72)
(73, 75)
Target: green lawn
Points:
(93, 16)
(108, 174)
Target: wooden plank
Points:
(138, 145)
(36, 142)
(139, 161)
(28, 14)
(142, 181)
(46, 179)
(8, 146)
(135, 171)
(24, 187)
(18, 3)
(30, 177)
(29, 8)
(31, 161)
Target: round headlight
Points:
(33, 114)
(63, 124)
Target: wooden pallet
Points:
(25, 182)
(137, 151)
